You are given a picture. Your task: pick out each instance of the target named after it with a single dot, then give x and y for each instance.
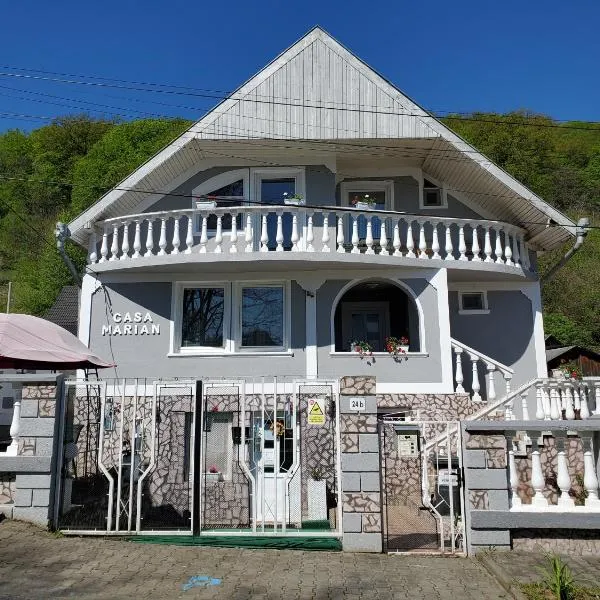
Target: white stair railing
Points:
(476, 360)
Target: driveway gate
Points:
(422, 485)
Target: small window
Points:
(473, 303)
(203, 315)
(262, 317)
(432, 194)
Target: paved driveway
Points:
(35, 564)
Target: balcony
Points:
(293, 234)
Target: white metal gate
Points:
(423, 496)
(267, 466)
(127, 459)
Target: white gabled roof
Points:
(317, 90)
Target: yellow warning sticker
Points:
(316, 411)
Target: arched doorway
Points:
(372, 311)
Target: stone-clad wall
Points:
(575, 542)
(7, 488)
(361, 484)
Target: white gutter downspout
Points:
(581, 232)
(61, 233)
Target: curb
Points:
(501, 576)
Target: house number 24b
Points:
(357, 404)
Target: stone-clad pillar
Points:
(361, 485)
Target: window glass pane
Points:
(472, 301)
(203, 313)
(232, 190)
(272, 190)
(433, 197)
(262, 316)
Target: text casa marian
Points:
(136, 323)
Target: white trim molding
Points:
(484, 310)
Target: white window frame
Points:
(258, 174)
(287, 316)
(177, 312)
(440, 185)
(375, 185)
(217, 182)
(479, 311)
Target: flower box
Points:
(206, 204)
(294, 202)
(213, 477)
(364, 206)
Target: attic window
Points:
(432, 195)
(473, 303)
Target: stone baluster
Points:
(137, 240)
(448, 248)
(475, 385)
(563, 479)
(369, 236)
(279, 234)
(219, 235)
(189, 238)
(248, 233)
(513, 475)
(540, 413)
(590, 478)
(396, 243)
(524, 405)
(310, 234)
(475, 249)
(577, 393)
(584, 410)
(114, 248)
(515, 251)
(498, 248)
(422, 241)
(355, 238)
(176, 236)
(92, 249)
(435, 242)
(233, 234)
(162, 242)
(555, 413)
(15, 428)
(339, 240)
(264, 234)
(459, 372)
(462, 246)
(325, 238)
(596, 385)
(538, 482)
(104, 246)
(569, 404)
(487, 246)
(507, 249)
(383, 241)
(295, 234)
(150, 239)
(410, 242)
(491, 393)
(125, 241)
(203, 234)
(546, 401)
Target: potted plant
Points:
(278, 428)
(364, 202)
(205, 202)
(214, 474)
(396, 346)
(293, 200)
(317, 495)
(361, 347)
(568, 370)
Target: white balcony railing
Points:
(252, 229)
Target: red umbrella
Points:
(28, 342)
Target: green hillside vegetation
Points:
(55, 172)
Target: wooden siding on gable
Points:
(317, 94)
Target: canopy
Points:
(28, 342)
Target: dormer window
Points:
(433, 194)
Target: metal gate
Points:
(127, 460)
(269, 462)
(423, 496)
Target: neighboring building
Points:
(240, 401)
(585, 359)
(65, 310)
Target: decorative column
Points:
(137, 240)
(538, 482)
(590, 479)
(475, 382)
(459, 372)
(562, 474)
(340, 234)
(555, 413)
(176, 236)
(513, 476)
(189, 238)
(491, 393)
(15, 427)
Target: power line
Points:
(299, 104)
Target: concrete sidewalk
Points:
(36, 564)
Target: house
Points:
(305, 295)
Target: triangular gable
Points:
(319, 90)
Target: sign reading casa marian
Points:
(136, 323)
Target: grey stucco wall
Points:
(146, 355)
(416, 369)
(505, 334)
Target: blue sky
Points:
(447, 56)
